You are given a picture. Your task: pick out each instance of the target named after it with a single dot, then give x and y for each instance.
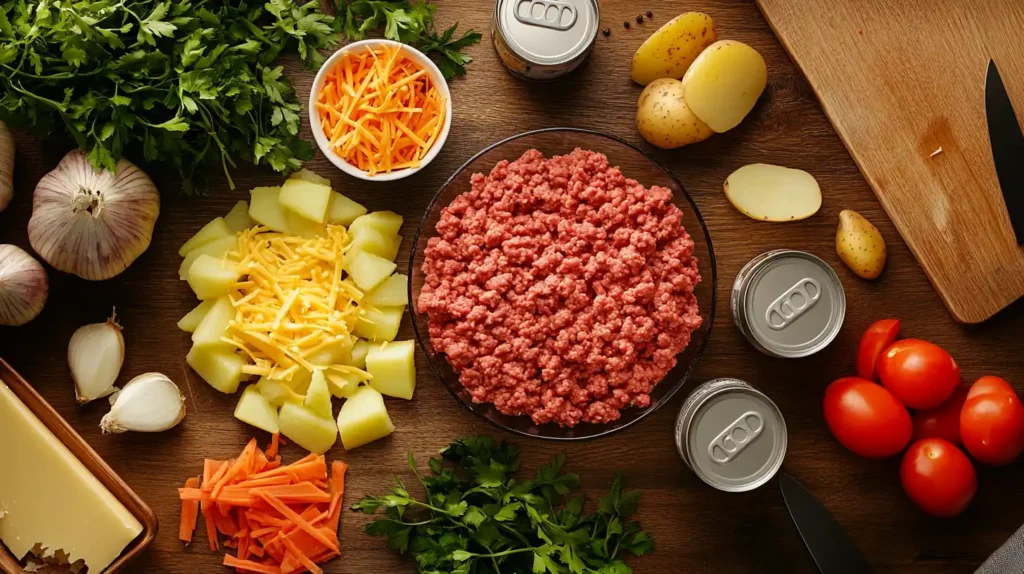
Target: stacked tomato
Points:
(872, 419)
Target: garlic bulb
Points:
(23, 286)
(6, 166)
(95, 355)
(93, 223)
(148, 403)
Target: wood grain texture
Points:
(904, 84)
(696, 528)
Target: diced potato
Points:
(670, 50)
(363, 419)
(343, 211)
(370, 240)
(265, 208)
(369, 270)
(305, 198)
(393, 366)
(385, 222)
(773, 193)
(343, 385)
(318, 397)
(663, 118)
(211, 277)
(392, 253)
(298, 225)
(216, 248)
(300, 381)
(724, 83)
(254, 409)
(277, 393)
(357, 358)
(220, 366)
(190, 321)
(332, 353)
(379, 323)
(393, 291)
(214, 325)
(860, 245)
(238, 218)
(306, 429)
(310, 176)
(213, 230)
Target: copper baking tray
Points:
(92, 461)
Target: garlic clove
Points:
(23, 286)
(95, 355)
(150, 402)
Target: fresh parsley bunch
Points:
(190, 82)
(410, 23)
(477, 519)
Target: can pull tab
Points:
(793, 303)
(553, 14)
(731, 441)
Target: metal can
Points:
(788, 303)
(731, 435)
(544, 39)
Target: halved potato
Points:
(773, 193)
(724, 82)
(670, 50)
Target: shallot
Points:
(23, 286)
(6, 166)
(93, 223)
(150, 402)
(95, 355)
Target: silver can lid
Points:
(548, 32)
(794, 304)
(737, 439)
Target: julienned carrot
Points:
(189, 513)
(250, 566)
(286, 516)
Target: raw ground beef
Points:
(559, 289)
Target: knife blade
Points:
(1007, 141)
(831, 548)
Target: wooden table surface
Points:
(696, 528)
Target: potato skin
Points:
(860, 245)
(663, 118)
(670, 50)
(724, 83)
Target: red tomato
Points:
(938, 477)
(866, 418)
(943, 421)
(992, 422)
(921, 375)
(878, 336)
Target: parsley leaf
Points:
(476, 517)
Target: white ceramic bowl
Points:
(435, 76)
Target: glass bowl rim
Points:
(422, 343)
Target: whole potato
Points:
(669, 51)
(860, 245)
(664, 119)
(724, 83)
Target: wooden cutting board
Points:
(903, 82)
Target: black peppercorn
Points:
(625, 24)
(607, 31)
(650, 14)
(639, 18)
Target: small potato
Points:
(724, 83)
(663, 118)
(860, 245)
(669, 51)
(773, 193)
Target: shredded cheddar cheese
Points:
(291, 302)
(380, 110)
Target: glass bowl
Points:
(634, 164)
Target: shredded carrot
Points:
(372, 110)
(252, 503)
(189, 513)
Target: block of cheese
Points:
(48, 497)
